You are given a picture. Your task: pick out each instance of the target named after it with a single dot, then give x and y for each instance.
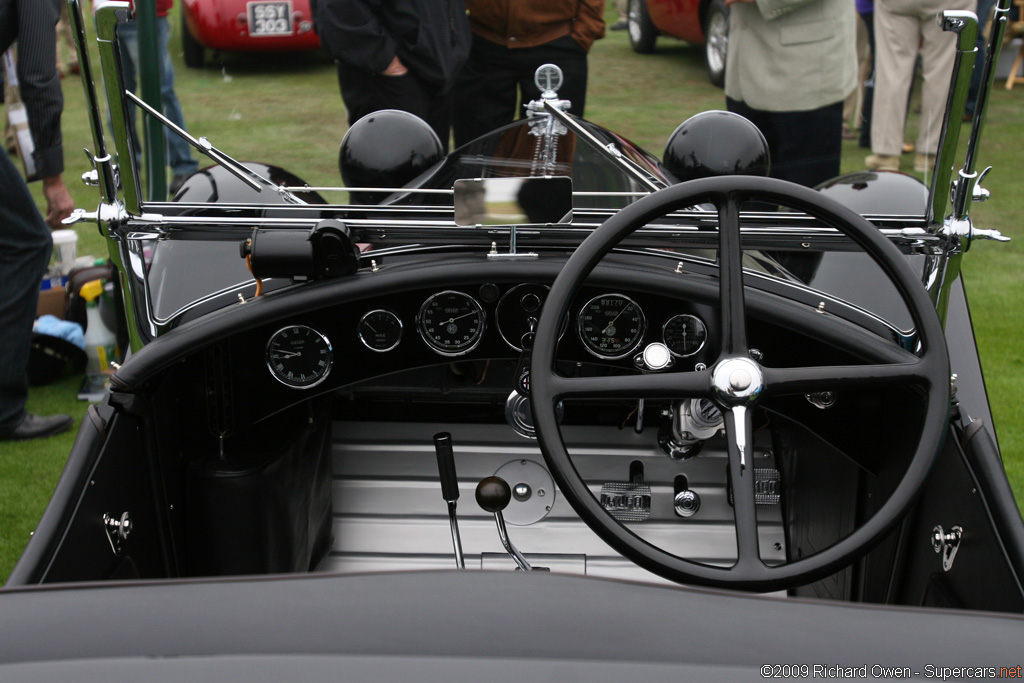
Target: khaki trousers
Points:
(900, 27)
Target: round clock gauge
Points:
(684, 335)
(299, 357)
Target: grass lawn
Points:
(286, 110)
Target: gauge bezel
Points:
(669, 346)
(462, 350)
(290, 383)
(631, 348)
(394, 316)
(505, 297)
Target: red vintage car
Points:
(245, 26)
(700, 22)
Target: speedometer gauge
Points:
(299, 357)
(684, 335)
(451, 323)
(611, 325)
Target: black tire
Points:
(716, 37)
(195, 53)
(642, 33)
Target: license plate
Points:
(269, 18)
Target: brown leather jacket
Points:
(529, 23)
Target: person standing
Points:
(396, 54)
(621, 16)
(179, 153)
(790, 66)
(512, 39)
(985, 8)
(866, 10)
(900, 26)
(25, 241)
(67, 66)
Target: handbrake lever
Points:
(449, 488)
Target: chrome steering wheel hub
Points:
(737, 381)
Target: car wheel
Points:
(716, 45)
(195, 53)
(642, 33)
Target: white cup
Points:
(65, 249)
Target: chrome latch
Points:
(118, 530)
(947, 544)
(979, 193)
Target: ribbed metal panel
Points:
(389, 514)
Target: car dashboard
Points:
(349, 381)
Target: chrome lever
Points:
(979, 193)
(449, 489)
(493, 494)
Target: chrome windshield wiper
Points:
(609, 150)
(236, 168)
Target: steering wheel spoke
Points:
(665, 385)
(783, 381)
(739, 430)
(730, 264)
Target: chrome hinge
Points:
(947, 544)
(118, 530)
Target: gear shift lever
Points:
(493, 495)
(449, 488)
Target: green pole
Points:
(149, 84)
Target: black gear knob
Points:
(493, 494)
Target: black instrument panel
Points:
(493, 320)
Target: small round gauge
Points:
(684, 335)
(380, 330)
(451, 323)
(299, 356)
(611, 325)
(518, 312)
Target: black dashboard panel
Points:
(353, 361)
(226, 352)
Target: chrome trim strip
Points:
(101, 160)
(965, 25)
(108, 14)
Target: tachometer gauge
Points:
(380, 330)
(611, 325)
(684, 335)
(451, 323)
(299, 357)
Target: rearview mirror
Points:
(513, 201)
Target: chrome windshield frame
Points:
(943, 236)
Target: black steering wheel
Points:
(736, 382)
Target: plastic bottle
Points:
(100, 342)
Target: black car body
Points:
(633, 385)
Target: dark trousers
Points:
(805, 146)
(869, 86)
(496, 78)
(364, 93)
(25, 245)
